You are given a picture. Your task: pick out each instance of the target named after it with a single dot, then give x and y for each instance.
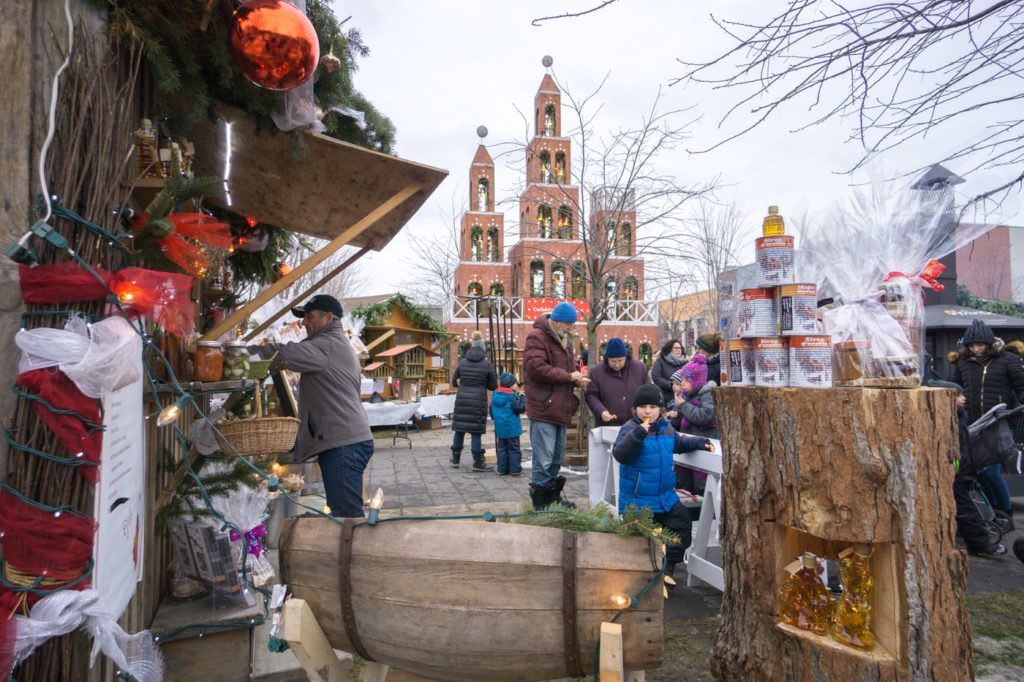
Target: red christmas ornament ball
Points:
(274, 44)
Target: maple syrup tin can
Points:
(774, 256)
(798, 308)
(810, 361)
(739, 358)
(755, 314)
(771, 358)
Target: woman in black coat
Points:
(670, 360)
(474, 377)
(989, 376)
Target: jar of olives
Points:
(209, 361)
(236, 361)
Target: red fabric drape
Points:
(53, 385)
(160, 296)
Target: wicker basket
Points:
(258, 369)
(262, 436)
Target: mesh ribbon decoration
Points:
(75, 431)
(160, 296)
(185, 230)
(64, 612)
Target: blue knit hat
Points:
(615, 349)
(564, 312)
(508, 379)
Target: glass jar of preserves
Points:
(236, 361)
(209, 361)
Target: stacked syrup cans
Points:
(780, 343)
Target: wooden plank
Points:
(610, 664)
(308, 642)
(216, 656)
(375, 672)
(305, 294)
(383, 337)
(305, 266)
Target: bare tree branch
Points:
(897, 71)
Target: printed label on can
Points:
(798, 309)
(774, 256)
(772, 360)
(755, 315)
(734, 356)
(810, 361)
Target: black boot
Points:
(542, 496)
(559, 482)
(478, 462)
(456, 455)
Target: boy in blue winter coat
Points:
(644, 449)
(507, 403)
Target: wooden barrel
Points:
(465, 600)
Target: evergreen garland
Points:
(376, 314)
(192, 67)
(597, 519)
(965, 298)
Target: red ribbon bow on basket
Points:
(924, 279)
(197, 227)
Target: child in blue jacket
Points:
(644, 449)
(507, 403)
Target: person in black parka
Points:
(989, 376)
(474, 377)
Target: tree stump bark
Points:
(819, 470)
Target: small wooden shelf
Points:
(208, 386)
(879, 654)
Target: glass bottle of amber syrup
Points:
(853, 613)
(803, 600)
(773, 223)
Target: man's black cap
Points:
(323, 302)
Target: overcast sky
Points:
(440, 68)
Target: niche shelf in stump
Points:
(818, 470)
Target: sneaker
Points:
(990, 552)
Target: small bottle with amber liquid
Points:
(853, 612)
(803, 600)
(773, 223)
(145, 150)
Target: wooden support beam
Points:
(305, 294)
(309, 644)
(315, 259)
(380, 339)
(609, 667)
(375, 672)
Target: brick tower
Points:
(548, 262)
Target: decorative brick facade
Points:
(542, 263)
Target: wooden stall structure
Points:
(404, 336)
(819, 470)
(340, 192)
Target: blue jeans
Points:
(548, 443)
(342, 470)
(994, 486)
(474, 441)
(510, 457)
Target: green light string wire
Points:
(57, 511)
(112, 239)
(66, 313)
(45, 591)
(81, 417)
(66, 461)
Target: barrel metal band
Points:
(572, 655)
(345, 589)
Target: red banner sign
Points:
(535, 307)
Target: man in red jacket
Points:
(550, 378)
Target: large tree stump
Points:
(818, 470)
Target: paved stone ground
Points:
(419, 481)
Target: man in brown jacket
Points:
(551, 377)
